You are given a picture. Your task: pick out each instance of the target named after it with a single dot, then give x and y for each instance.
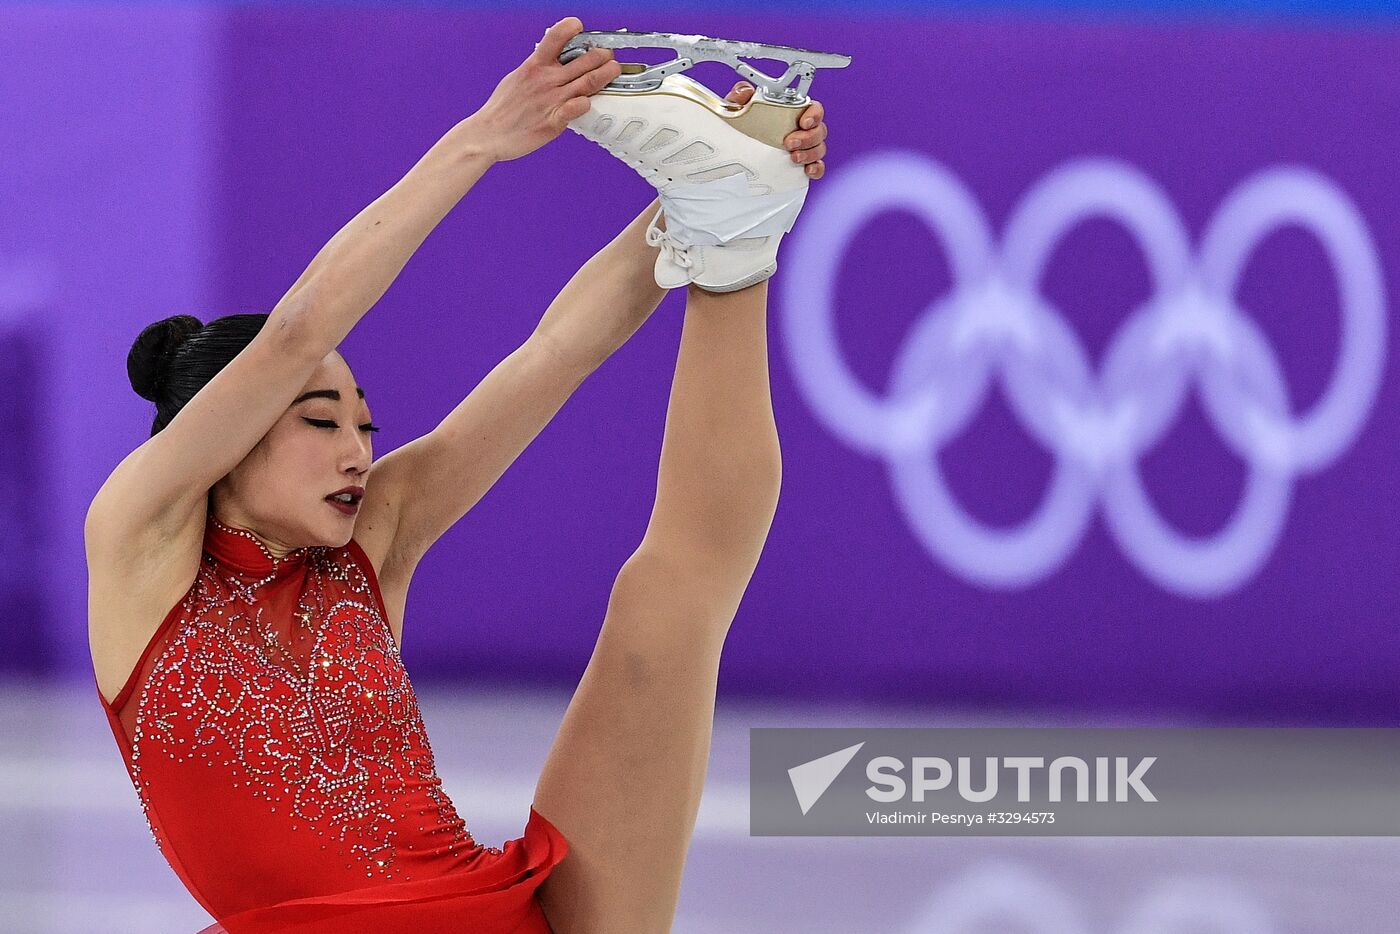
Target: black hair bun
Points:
(148, 362)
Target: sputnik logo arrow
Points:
(810, 780)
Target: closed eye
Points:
(327, 423)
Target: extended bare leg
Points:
(624, 776)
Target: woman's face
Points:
(320, 446)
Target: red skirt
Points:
(490, 897)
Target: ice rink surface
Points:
(79, 858)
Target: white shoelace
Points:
(671, 249)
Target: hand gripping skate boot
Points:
(728, 189)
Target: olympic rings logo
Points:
(993, 324)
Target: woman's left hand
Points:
(807, 143)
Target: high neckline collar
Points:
(241, 549)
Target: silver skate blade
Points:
(802, 63)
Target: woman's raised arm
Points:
(168, 476)
(171, 473)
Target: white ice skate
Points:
(728, 188)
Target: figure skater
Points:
(249, 565)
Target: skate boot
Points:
(728, 188)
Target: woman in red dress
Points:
(250, 562)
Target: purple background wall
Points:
(238, 141)
(106, 122)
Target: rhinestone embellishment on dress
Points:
(327, 731)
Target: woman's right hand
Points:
(533, 104)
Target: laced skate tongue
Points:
(679, 263)
(669, 274)
(675, 263)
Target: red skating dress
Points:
(280, 759)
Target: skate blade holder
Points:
(802, 63)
